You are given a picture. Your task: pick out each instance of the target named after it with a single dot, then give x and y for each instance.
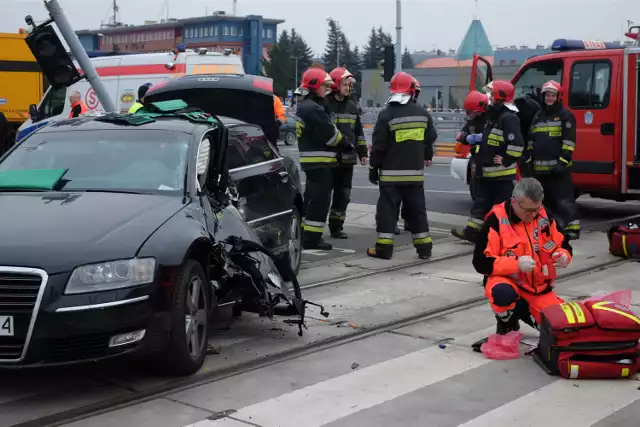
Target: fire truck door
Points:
(593, 97)
(481, 73)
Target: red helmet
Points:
(403, 83)
(339, 74)
(503, 91)
(313, 79)
(552, 86)
(476, 102)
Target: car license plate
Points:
(6, 326)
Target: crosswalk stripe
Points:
(331, 400)
(564, 403)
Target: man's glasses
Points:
(528, 210)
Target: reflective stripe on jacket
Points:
(552, 140)
(403, 139)
(345, 116)
(135, 107)
(502, 137)
(319, 140)
(505, 238)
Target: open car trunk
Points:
(242, 97)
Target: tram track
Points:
(133, 397)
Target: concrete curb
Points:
(442, 160)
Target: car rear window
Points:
(140, 160)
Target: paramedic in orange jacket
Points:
(77, 106)
(518, 252)
(278, 107)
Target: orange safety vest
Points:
(83, 108)
(279, 109)
(538, 239)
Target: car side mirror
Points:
(33, 112)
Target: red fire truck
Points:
(601, 87)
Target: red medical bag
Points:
(589, 340)
(624, 241)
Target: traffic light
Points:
(54, 61)
(439, 93)
(388, 63)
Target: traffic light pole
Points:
(398, 36)
(79, 53)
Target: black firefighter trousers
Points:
(559, 199)
(412, 198)
(317, 198)
(489, 192)
(342, 177)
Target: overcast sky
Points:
(427, 24)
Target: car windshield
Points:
(108, 160)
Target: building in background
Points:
(248, 36)
(449, 72)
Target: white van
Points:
(122, 75)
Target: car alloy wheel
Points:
(290, 138)
(196, 318)
(295, 242)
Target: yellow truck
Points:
(21, 82)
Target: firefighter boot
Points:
(467, 234)
(505, 324)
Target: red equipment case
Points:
(589, 340)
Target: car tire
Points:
(290, 138)
(187, 346)
(293, 256)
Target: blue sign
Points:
(588, 117)
(289, 94)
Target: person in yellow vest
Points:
(142, 91)
(77, 106)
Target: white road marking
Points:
(569, 403)
(331, 400)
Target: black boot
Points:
(466, 234)
(317, 244)
(339, 234)
(502, 328)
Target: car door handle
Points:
(284, 176)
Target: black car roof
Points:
(160, 123)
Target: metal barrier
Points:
(447, 125)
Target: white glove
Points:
(560, 259)
(526, 264)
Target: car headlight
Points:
(106, 276)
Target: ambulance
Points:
(122, 75)
(601, 87)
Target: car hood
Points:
(57, 231)
(242, 97)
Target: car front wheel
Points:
(186, 350)
(293, 256)
(290, 138)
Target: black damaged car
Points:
(119, 236)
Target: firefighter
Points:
(403, 211)
(403, 139)
(476, 105)
(550, 148)
(344, 112)
(501, 147)
(319, 142)
(77, 106)
(518, 251)
(142, 91)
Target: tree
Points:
(407, 60)
(300, 50)
(281, 62)
(333, 51)
(374, 51)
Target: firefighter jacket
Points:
(347, 119)
(501, 137)
(319, 141)
(505, 238)
(472, 126)
(552, 140)
(403, 139)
